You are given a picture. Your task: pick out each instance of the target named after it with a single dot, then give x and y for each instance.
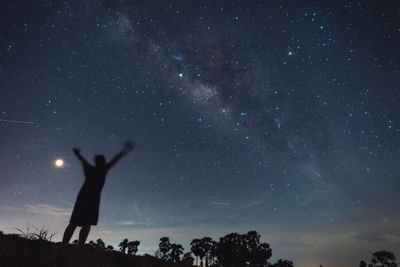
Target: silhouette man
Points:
(86, 209)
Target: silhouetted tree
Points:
(236, 250)
(283, 263)
(383, 258)
(259, 253)
(133, 247)
(205, 245)
(187, 258)
(165, 247)
(212, 254)
(197, 250)
(176, 252)
(232, 250)
(123, 245)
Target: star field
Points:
(279, 117)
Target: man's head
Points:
(99, 160)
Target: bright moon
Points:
(59, 163)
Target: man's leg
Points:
(83, 234)
(69, 231)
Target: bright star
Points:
(59, 163)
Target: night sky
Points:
(276, 116)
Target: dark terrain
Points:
(17, 251)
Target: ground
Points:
(18, 251)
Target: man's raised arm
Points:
(127, 148)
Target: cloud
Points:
(323, 240)
(375, 238)
(5, 207)
(127, 223)
(369, 238)
(392, 238)
(48, 210)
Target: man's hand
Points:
(76, 150)
(128, 146)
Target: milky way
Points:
(270, 116)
